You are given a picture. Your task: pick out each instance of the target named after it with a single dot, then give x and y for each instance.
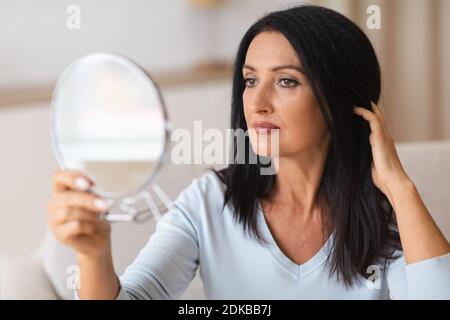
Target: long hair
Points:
(343, 70)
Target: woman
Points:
(340, 219)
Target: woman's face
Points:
(278, 93)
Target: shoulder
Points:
(208, 182)
(207, 188)
(204, 195)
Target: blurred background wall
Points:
(188, 45)
(413, 46)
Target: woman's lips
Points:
(264, 127)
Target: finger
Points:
(75, 228)
(83, 200)
(372, 118)
(73, 233)
(377, 110)
(64, 180)
(66, 214)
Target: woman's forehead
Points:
(269, 49)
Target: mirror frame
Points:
(167, 129)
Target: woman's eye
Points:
(285, 82)
(249, 82)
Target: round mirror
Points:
(109, 121)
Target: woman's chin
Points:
(262, 151)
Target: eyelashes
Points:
(249, 82)
(289, 83)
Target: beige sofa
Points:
(43, 274)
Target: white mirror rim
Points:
(54, 135)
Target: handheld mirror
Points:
(109, 121)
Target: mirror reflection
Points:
(109, 121)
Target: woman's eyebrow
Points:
(284, 66)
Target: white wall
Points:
(26, 165)
(36, 44)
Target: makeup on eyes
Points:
(281, 81)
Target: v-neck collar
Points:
(298, 271)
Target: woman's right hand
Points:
(75, 215)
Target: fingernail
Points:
(103, 204)
(82, 183)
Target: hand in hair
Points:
(387, 169)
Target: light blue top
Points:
(195, 233)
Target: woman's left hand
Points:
(387, 170)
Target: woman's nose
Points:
(263, 109)
(262, 102)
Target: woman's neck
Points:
(298, 179)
